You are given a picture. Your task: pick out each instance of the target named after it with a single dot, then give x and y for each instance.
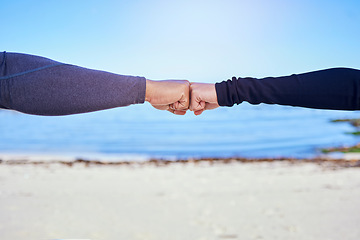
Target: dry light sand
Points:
(189, 201)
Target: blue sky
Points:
(207, 41)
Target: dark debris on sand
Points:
(334, 163)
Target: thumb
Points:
(182, 103)
(197, 104)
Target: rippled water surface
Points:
(140, 131)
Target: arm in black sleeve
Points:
(336, 88)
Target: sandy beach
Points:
(268, 200)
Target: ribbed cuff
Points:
(141, 90)
(223, 94)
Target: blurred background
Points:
(204, 41)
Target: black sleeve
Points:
(336, 88)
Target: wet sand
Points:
(194, 200)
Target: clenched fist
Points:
(203, 97)
(170, 95)
(177, 96)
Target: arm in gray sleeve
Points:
(40, 86)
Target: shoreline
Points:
(343, 160)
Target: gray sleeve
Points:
(41, 86)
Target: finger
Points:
(178, 112)
(192, 98)
(171, 110)
(183, 102)
(198, 106)
(177, 106)
(161, 107)
(172, 106)
(198, 112)
(196, 103)
(182, 105)
(208, 106)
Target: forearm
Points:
(40, 86)
(337, 88)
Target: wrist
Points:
(149, 90)
(212, 90)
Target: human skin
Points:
(170, 95)
(203, 97)
(178, 96)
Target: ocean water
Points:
(140, 132)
